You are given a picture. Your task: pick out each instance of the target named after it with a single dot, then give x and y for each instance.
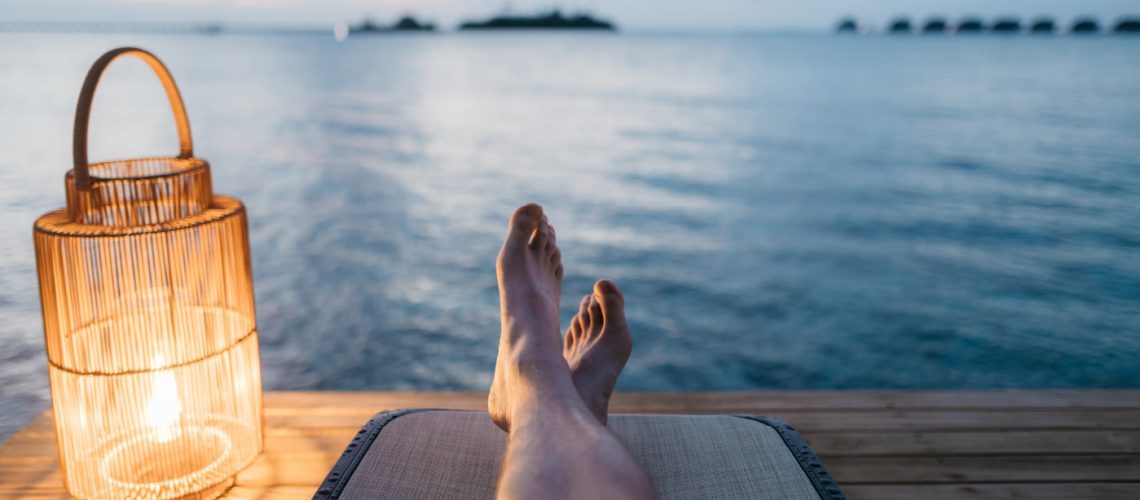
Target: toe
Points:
(596, 319)
(612, 301)
(523, 223)
(572, 334)
(583, 316)
(556, 257)
(542, 236)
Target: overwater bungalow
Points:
(1085, 26)
(1043, 26)
(971, 25)
(899, 26)
(847, 25)
(1007, 25)
(1127, 25)
(935, 26)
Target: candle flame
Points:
(164, 407)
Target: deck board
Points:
(878, 444)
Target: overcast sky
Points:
(645, 14)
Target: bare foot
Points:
(530, 363)
(597, 345)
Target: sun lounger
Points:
(448, 454)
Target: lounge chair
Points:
(450, 454)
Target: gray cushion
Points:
(445, 454)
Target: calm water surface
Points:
(783, 212)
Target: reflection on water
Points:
(782, 212)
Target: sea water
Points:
(781, 211)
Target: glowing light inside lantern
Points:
(164, 407)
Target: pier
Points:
(878, 444)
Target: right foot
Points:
(598, 344)
(530, 363)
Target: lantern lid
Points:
(140, 191)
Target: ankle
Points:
(552, 412)
(537, 371)
(517, 328)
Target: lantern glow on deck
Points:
(147, 296)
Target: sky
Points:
(632, 14)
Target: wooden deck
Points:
(877, 444)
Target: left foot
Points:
(598, 344)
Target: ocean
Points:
(782, 211)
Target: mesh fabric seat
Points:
(446, 454)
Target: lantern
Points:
(148, 310)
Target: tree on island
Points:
(405, 23)
(551, 20)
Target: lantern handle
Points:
(87, 95)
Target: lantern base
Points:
(194, 458)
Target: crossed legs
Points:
(551, 393)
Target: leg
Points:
(557, 448)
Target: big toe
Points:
(523, 223)
(612, 302)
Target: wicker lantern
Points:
(148, 311)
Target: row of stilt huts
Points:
(1009, 25)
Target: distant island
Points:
(551, 20)
(406, 23)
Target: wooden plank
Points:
(999, 491)
(964, 469)
(362, 405)
(706, 402)
(975, 443)
(56, 494)
(847, 421)
(308, 469)
(371, 402)
(332, 441)
(271, 493)
(276, 441)
(289, 469)
(15, 477)
(293, 469)
(25, 444)
(801, 401)
(1044, 491)
(815, 422)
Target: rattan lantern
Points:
(148, 309)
